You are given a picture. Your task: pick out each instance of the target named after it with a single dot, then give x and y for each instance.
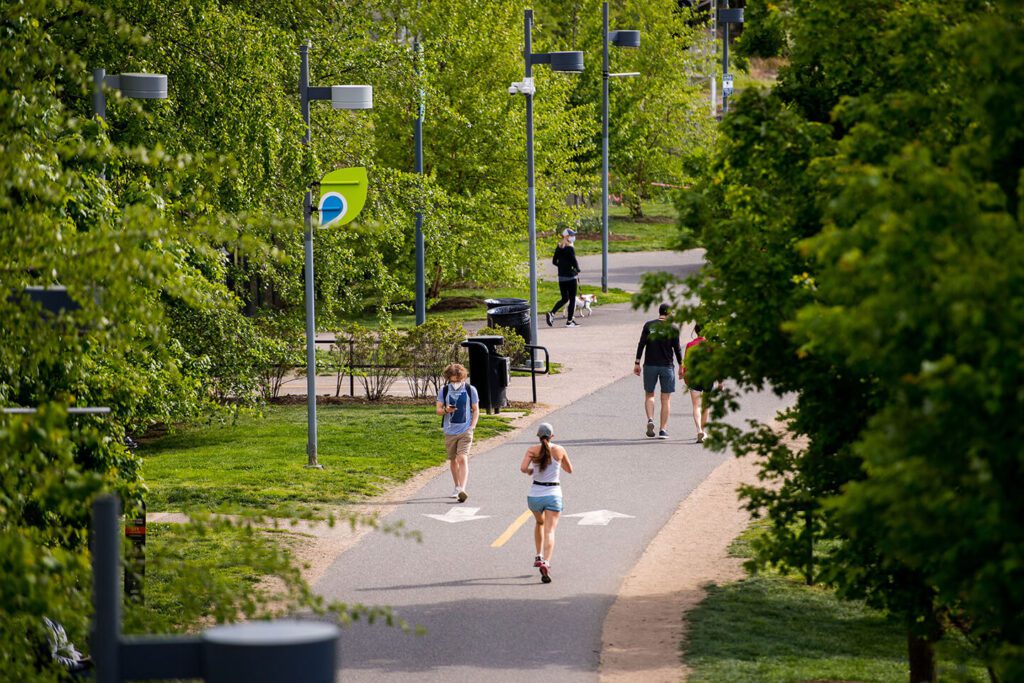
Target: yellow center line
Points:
(511, 530)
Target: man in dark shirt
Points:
(660, 339)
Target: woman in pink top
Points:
(701, 411)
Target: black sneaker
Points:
(650, 429)
(572, 323)
(463, 496)
(545, 576)
(662, 434)
(550, 318)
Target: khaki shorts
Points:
(457, 445)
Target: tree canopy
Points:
(862, 222)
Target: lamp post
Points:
(137, 86)
(421, 288)
(618, 39)
(341, 97)
(725, 17)
(567, 62)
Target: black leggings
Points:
(567, 288)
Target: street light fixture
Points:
(628, 39)
(725, 17)
(340, 97)
(136, 86)
(566, 62)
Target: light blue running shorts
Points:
(542, 503)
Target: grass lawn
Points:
(656, 231)
(770, 628)
(258, 465)
(190, 574)
(547, 295)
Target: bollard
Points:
(258, 652)
(271, 652)
(135, 567)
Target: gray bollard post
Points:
(271, 652)
(106, 558)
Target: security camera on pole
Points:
(339, 203)
(567, 62)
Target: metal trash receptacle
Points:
(514, 316)
(488, 371)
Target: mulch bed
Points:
(300, 399)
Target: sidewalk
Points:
(593, 355)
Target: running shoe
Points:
(650, 428)
(551, 318)
(572, 323)
(545, 569)
(662, 434)
(463, 496)
(700, 437)
(455, 492)
(538, 561)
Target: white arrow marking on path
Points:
(456, 515)
(598, 517)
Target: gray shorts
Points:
(665, 374)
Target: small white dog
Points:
(585, 303)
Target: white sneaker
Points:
(455, 493)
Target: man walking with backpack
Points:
(459, 403)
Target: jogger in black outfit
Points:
(568, 272)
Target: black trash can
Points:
(504, 301)
(515, 316)
(489, 371)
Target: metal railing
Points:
(533, 366)
(532, 369)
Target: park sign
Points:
(727, 87)
(342, 196)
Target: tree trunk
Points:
(921, 653)
(435, 284)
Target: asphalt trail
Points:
(487, 616)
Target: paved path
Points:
(592, 355)
(487, 615)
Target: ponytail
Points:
(543, 458)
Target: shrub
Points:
(380, 354)
(514, 346)
(427, 350)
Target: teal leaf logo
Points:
(342, 196)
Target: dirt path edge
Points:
(645, 627)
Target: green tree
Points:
(863, 237)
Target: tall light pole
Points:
(421, 287)
(136, 86)
(725, 17)
(567, 62)
(341, 97)
(618, 39)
